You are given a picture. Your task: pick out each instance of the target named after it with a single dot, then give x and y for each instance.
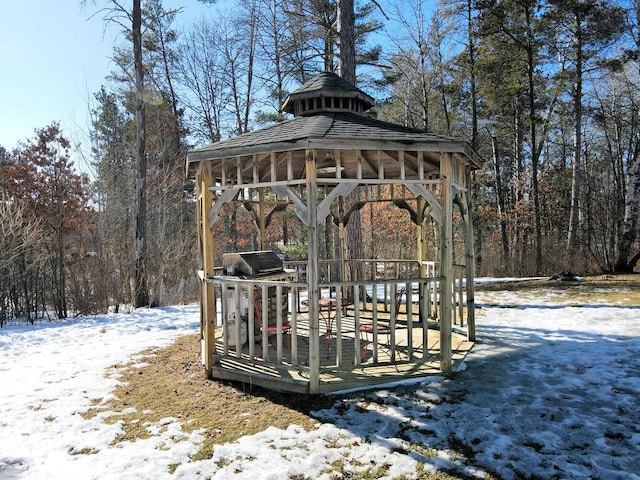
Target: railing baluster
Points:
(294, 324)
(225, 319)
(251, 325)
(374, 320)
(338, 322)
(265, 322)
(279, 324)
(392, 320)
(426, 305)
(238, 322)
(409, 305)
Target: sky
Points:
(54, 56)
(550, 390)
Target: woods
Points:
(546, 91)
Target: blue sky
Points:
(54, 55)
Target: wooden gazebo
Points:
(387, 319)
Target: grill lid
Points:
(252, 263)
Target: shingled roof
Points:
(324, 121)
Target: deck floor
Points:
(340, 367)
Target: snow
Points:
(551, 390)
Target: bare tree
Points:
(202, 73)
(131, 22)
(19, 234)
(141, 288)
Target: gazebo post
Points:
(446, 265)
(261, 220)
(470, 264)
(208, 298)
(421, 255)
(312, 271)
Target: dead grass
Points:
(619, 290)
(172, 383)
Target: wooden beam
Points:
(261, 222)
(312, 274)
(436, 208)
(341, 190)
(214, 212)
(208, 301)
(301, 207)
(421, 254)
(470, 261)
(446, 263)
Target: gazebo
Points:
(331, 322)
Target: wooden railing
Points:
(360, 269)
(281, 305)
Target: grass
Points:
(172, 383)
(618, 290)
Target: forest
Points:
(546, 91)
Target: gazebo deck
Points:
(356, 370)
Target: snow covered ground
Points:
(550, 391)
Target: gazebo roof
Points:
(332, 128)
(329, 114)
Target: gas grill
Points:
(257, 265)
(253, 264)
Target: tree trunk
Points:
(533, 131)
(473, 87)
(347, 67)
(277, 61)
(346, 24)
(517, 246)
(252, 47)
(574, 211)
(501, 204)
(630, 224)
(141, 290)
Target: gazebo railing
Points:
(373, 303)
(283, 306)
(242, 310)
(390, 269)
(367, 269)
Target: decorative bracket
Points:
(301, 207)
(226, 197)
(420, 191)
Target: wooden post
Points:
(261, 220)
(342, 244)
(312, 272)
(470, 261)
(421, 254)
(208, 301)
(446, 262)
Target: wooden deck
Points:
(346, 362)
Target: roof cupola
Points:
(327, 92)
